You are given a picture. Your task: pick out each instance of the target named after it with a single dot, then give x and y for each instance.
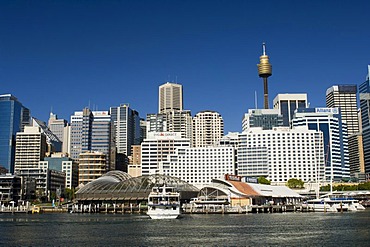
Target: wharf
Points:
(224, 209)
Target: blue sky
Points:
(66, 55)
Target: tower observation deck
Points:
(264, 71)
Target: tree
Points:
(294, 183)
(263, 180)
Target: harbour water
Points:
(266, 229)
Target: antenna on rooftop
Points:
(255, 100)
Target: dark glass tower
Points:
(13, 117)
(364, 91)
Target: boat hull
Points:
(163, 212)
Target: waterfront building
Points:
(13, 117)
(281, 153)
(265, 118)
(90, 131)
(199, 165)
(208, 128)
(91, 165)
(345, 98)
(364, 91)
(170, 97)
(53, 142)
(237, 193)
(47, 180)
(287, 103)
(60, 162)
(57, 126)
(10, 188)
(335, 138)
(157, 147)
(30, 148)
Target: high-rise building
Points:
(288, 103)
(364, 91)
(54, 144)
(125, 128)
(57, 126)
(208, 128)
(345, 98)
(13, 117)
(30, 148)
(157, 147)
(265, 118)
(170, 97)
(281, 153)
(90, 131)
(171, 121)
(335, 137)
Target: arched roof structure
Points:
(117, 185)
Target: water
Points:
(288, 229)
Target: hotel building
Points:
(281, 153)
(198, 166)
(157, 147)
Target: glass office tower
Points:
(13, 117)
(364, 91)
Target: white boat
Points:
(320, 205)
(164, 203)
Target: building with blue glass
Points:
(288, 103)
(264, 118)
(364, 91)
(13, 117)
(335, 137)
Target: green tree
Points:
(294, 183)
(263, 180)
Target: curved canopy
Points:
(117, 185)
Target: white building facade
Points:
(157, 147)
(281, 154)
(198, 166)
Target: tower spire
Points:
(264, 71)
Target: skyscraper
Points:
(288, 103)
(125, 128)
(90, 131)
(208, 128)
(30, 148)
(57, 126)
(345, 97)
(170, 97)
(13, 117)
(335, 137)
(364, 91)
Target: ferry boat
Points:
(334, 204)
(164, 203)
(320, 205)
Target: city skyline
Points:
(64, 56)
